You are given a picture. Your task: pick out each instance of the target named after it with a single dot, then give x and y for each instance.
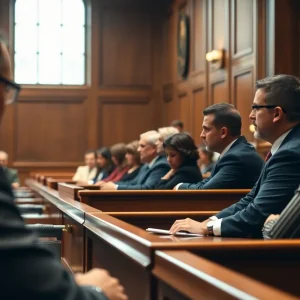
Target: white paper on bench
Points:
(162, 231)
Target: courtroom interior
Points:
(149, 150)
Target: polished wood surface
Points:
(118, 246)
(53, 183)
(181, 274)
(165, 200)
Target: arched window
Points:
(50, 42)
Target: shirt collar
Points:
(278, 142)
(227, 148)
(150, 165)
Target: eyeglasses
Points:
(256, 107)
(12, 90)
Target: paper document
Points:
(161, 231)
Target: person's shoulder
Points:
(12, 171)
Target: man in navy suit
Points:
(276, 117)
(239, 165)
(155, 166)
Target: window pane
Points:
(26, 68)
(73, 69)
(26, 11)
(26, 38)
(49, 39)
(74, 16)
(49, 68)
(50, 12)
(73, 40)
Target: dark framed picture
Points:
(183, 41)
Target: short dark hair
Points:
(225, 115)
(284, 91)
(177, 123)
(184, 144)
(105, 152)
(90, 151)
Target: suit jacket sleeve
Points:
(275, 191)
(173, 181)
(28, 271)
(152, 180)
(228, 175)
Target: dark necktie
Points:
(268, 156)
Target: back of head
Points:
(184, 144)
(283, 91)
(207, 153)
(132, 148)
(177, 124)
(150, 137)
(225, 115)
(119, 151)
(166, 132)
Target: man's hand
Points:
(101, 278)
(271, 217)
(108, 186)
(189, 225)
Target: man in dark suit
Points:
(11, 174)
(239, 165)
(154, 168)
(276, 117)
(27, 270)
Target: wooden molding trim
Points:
(123, 99)
(37, 164)
(53, 94)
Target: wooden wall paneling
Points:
(126, 49)
(243, 68)
(199, 36)
(133, 118)
(218, 39)
(199, 104)
(243, 98)
(47, 132)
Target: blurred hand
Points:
(108, 186)
(99, 183)
(189, 225)
(272, 217)
(15, 185)
(169, 174)
(101, 278)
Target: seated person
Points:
(86, 173)
(133, 161)
(205, 161)
(11, 174)
(155, 166)
(239, 165)
(164, 133)
(105, 164)
(182, 155)
(276, 117)
(118, 153)
(29, 271)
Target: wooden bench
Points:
(181, 274)
(52, 183)
(100, 240)
(119, 247)
(156, 200)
